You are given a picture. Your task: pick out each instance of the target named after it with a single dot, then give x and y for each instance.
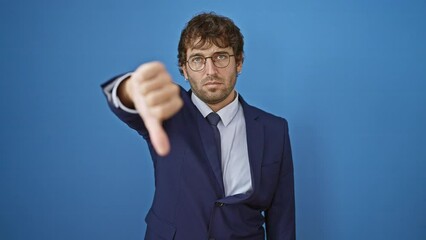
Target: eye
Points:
(221, 56)
(197, 59)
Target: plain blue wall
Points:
(350, 77)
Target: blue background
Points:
(350, 77)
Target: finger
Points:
(161, 95)
(167, 109)
(159, 81)
(150, 70)
(158, 136)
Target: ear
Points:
(185, 73)
(239, 66)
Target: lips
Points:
(212, 83)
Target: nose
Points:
(210, 67)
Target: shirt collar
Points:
(226, 114)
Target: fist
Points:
(156, 98)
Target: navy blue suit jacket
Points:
(189, 202)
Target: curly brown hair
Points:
(210, 28)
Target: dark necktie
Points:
(214, 119)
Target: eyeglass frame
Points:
(211, 57)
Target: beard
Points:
(213, 94)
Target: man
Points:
(223, 168)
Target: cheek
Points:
(196, 76)
(193, 81)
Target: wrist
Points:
(124, 93)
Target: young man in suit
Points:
(223, 169)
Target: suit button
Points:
(219, 204)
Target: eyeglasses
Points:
(220, 60)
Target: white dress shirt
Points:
(232, 127)
(233, 141)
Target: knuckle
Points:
(156, 67)
(142, 89)
(179, 102)
(164, 77)
(158, 112)
(149, 100)
(141, 71)
(149, 70)
(156, 64)
(176, 88)
(173, 90)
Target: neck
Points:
(217, 106)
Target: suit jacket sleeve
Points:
(280, 217)
(131, 119)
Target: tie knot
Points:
(213, 118)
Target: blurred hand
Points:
(156, 98)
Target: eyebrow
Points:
(199, 54)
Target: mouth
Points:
(212, 83)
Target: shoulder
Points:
(269, 119)
(185, 94)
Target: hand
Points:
(156, 98)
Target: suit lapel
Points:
(209, 145)
(255, 141)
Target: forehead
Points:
(207, 49)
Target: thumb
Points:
(158, 136)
